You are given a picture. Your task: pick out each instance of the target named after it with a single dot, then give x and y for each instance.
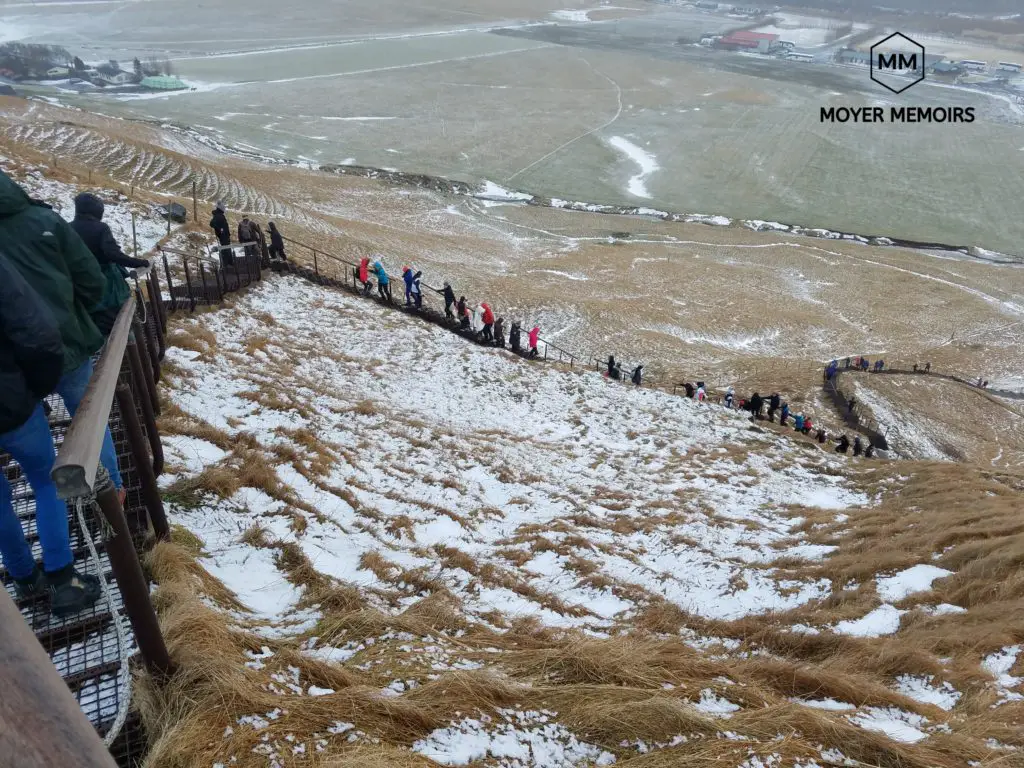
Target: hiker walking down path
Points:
(499, 332)
(98, 238)
(246, 235)
(611, 366)
(364, 275)
(533, 338)
(449, 300)
(221, 228)
(51, 281)
(844, 444)
(730, 395)
(383, 282)
(638, 375)
(858, 446)
(701, 394)
(276, 243)
(463, 312)
(487, 318)
(261, 245)
(514, 338)
(407, 277)
(417, 292)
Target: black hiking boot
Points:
(72, 592)
(33, 587)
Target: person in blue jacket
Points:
(407, 276)
(798, 422)
(383, 281)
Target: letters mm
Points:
(890, 63)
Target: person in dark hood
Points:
(98, 238)
(417, 290)
(463, 312)
(514, 337)
(276, 243)
(689, 390)
(773, 405)
(499, 332)
(844, 444)
(611, 365)
(822, 436)
(756, 405)
(449, 301)
(261, 244)
(858, 446)
(221, 228)
(638, 375)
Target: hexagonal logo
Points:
(897, 62)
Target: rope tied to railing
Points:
(124, 655)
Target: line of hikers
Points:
(478, 323)
(248, 231)
(613, 371)
(61, 288)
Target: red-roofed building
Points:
(745, 40)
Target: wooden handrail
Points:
(74, 471)
(41, 724)
(186, 255)
(319, 251)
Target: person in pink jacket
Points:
(533, 337)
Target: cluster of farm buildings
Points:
(773, 44)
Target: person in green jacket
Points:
(54, 262)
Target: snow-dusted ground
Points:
(539, 474)
(149, 229)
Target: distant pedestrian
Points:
(864, 364)
(798, 422)
(756, 406)
(869, 451)
(476, 322)
(364, 276)
(407, 277)
(449, 300)
(844, 444)
(276, 243)
(383, 282)
(849, 406)
(701, 395)
(979, 382)
(487, 317)
(822, 436)
(784, 416)
(246, 236)
(846, 363)
(858, 446)
(417, 291)
(927, 367)
(463, 312)
(773, 405)
(533, 337)
(730, 395)
(514, 337)
(689, 390)
(638, 375)
(499, 332)
(915, 367)
(984, 384)
(808, 425)
(610, 367)
(261, 245)
(221, 228)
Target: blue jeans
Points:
(71, 389)
(31, 445)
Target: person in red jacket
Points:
(533, 337)
(364, 276)
(488, 320)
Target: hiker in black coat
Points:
(638, 374)
(756, 405)
(499, 332)
(843, 445)
(773, 405)
(221, 228)
(31, 350)
(449, 300)
(513, 337)
(276, 243)
(88, 223)
(822, 436)
(611, 365)
(689, 390)
(463, 313)
(858, 447)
